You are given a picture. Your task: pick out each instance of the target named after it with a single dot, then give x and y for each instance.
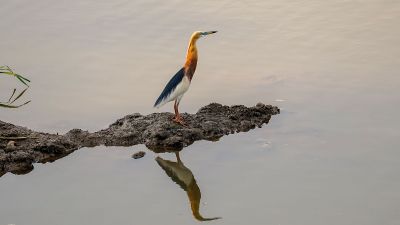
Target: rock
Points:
(157, 131)
(138, 155)
(10, 146)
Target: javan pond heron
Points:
(180, 82)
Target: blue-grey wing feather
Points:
(171, 85)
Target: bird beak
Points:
(208, 32)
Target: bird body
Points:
(175, 88)
(180, 82)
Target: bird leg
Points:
(178, 158)
(177, 118)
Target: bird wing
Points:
(170, 88)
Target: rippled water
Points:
(330, 157)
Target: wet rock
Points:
(157, 131)
(138, 155)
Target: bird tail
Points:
(160, 102)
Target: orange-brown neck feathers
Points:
(191, 57)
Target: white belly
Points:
(180, 90)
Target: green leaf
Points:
(23, 104)
(8, 106)
(12, 95)
(9, 73)
(13, 106)
(20, 79)
(20, 94)
(7, 70)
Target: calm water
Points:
(330, 157)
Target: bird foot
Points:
(180, 121)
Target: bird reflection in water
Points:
(182, 175)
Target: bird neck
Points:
(191, 59)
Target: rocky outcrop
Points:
(20, 147)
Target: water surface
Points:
(330, 157)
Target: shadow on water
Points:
(184, 177)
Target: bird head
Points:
(198, 34)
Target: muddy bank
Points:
(20, 147)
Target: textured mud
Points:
(20, 147)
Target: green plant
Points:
(10, 103)
(6, 70)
